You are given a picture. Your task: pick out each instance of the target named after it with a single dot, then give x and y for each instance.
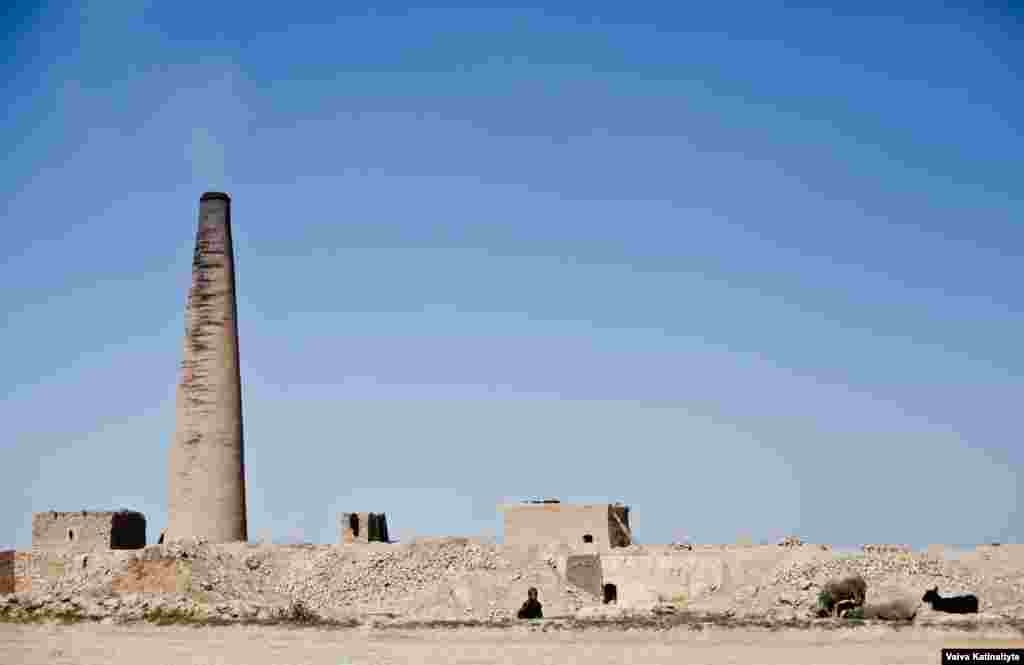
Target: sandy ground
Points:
(94, 644)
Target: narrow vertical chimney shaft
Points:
(206, 483)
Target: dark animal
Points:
(531, 609)
(967, 604)
(850, 592)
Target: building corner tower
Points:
(206, 480)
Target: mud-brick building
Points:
(590, 527)
(363, 528)
(88, 530)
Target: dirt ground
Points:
(95, 644)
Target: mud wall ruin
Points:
(85, 530)
(590, 527)
(165, 575)
(7, 576)
(584, 571)
(7, 571)
(146, 570)
(661, 573)
(15, 571)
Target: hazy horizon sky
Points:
(751, 268)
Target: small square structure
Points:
(87, 530)
(363, 528)
(589, 527)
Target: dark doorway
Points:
(587, 538)
(71, 534)
(353, 523)
(377, 529)
(127, 530)
(611, 594)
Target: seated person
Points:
(531, 609)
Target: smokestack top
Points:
(213, 196)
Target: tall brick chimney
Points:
(206, 483)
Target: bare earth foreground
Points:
(94, 644)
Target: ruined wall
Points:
(148, 570)
(15, 572)
(584, 571)
(42, 571)
(529, 525)
(85, 531)
(36, 570)
(664, 574)
(363, 528)
(165, 575)
(7, 571)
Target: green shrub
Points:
(163, 616)
(825, 602)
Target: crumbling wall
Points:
(21, 572)
(584, 571)
(581, 526)
(619, 531)
(84, 531)
(7, 571)
(363, 528)
(42, 571)
(154, 576)
(642, 578)
(137, 570)
(658, 573)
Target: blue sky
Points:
(751, 271)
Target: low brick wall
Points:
(56, 572)
(664, 574)
(148, 570)
(15, 571)
(154, 576)
(7, 571)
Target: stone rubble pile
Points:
(339, 577)
(793, 586)
(439, 578)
